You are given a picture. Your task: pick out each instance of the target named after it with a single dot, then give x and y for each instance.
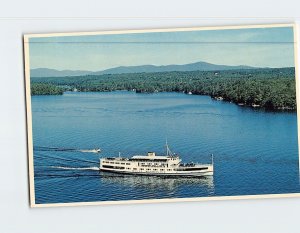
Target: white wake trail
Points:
(76, 168)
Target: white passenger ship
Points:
(151, 164)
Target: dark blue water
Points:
(255, 152)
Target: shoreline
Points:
(270, 89)
(215, 98)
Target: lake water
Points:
(255, 152)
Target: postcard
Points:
(162, 115)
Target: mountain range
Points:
(197, 66)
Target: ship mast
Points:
(167, 148)
(168, 151)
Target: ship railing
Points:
(194, 164)
(163, 165)
(187, 165)
(116, 158)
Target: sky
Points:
(259, 47)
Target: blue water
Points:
(255, 152)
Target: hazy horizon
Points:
(256, 47)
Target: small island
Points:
(267, 88)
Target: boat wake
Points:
(55, 158)
(45, 148)
(76, 168)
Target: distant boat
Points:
(219, 98)
(151, 164)
(255, 105)
(190, 93)
(97, 150)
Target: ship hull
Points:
(173, 174)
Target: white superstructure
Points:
(151, 164)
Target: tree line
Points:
(46, 89)
(272, 89)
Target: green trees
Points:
(45, 89)
(272, 89)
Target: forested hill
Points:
(268, 88)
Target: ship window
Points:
(134, 168)
(122, 163)
(112, 162)
(161, 169)
(117, 163)
(108, 166)
(127, 163)
(142, 168)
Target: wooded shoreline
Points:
(271, 89)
